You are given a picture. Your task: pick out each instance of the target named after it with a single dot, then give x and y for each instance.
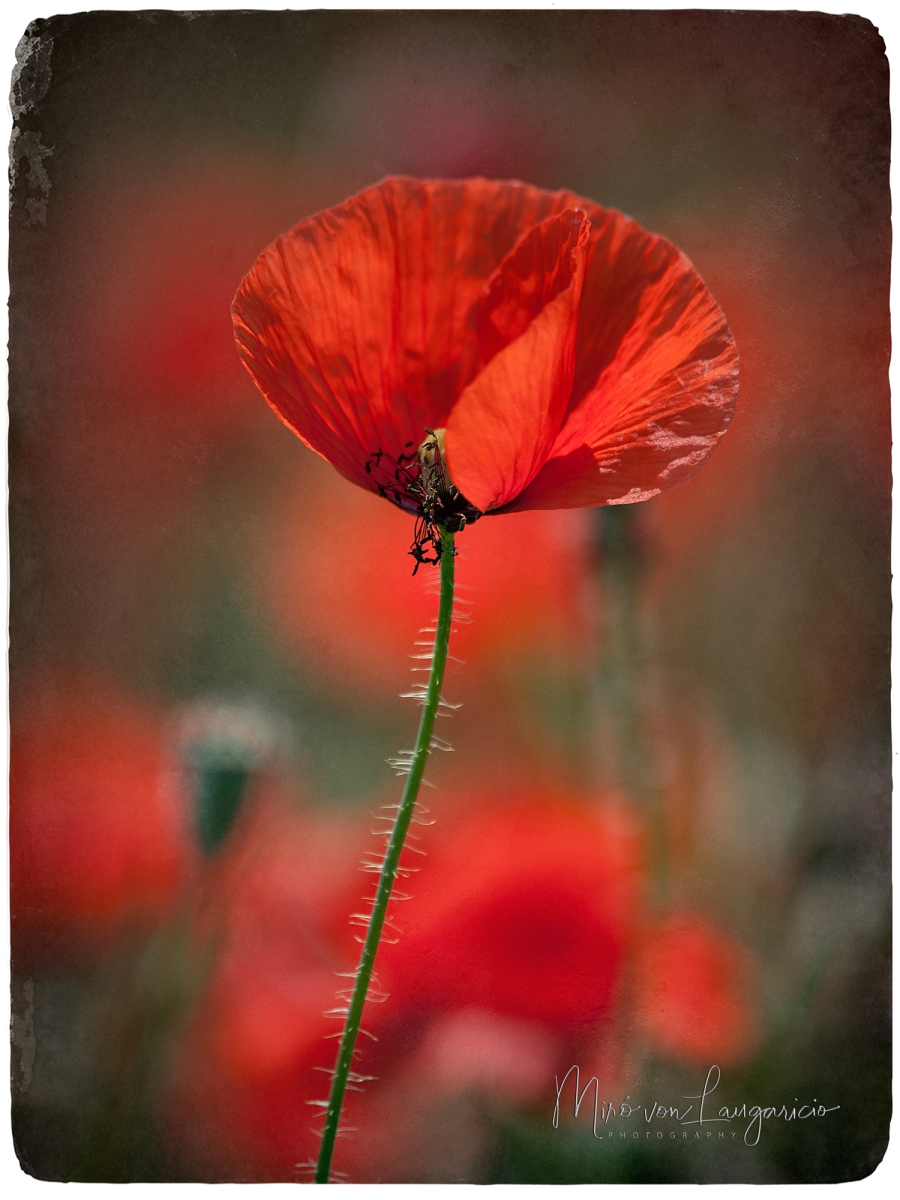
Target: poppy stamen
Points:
(439, 502)
(418, 481)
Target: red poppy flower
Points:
(564, 356)
(525, 911)
(513, 944)
(97, 835)
(240, 1097)
(697, 993)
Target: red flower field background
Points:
(660, 842)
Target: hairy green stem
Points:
(391, 862)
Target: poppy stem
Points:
(391, 862)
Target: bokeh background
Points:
(662, 840)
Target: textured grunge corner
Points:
(30, 83)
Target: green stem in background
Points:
(627, 759)
(619, 683)
(391, 862)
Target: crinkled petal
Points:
(503, 426)
(537, 269)
(355, 325)
(655, 380)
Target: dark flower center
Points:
(420, 483)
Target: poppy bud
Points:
(223, 746)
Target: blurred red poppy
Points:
(154, 269)
(239, 1097)
(525, 910)
(97, 837)
(563, 356)
(239, 1101)
(526, 947)
(696, 993)
(513, 946)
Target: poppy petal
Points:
(655, 381)
(536, 270)
(354, 324)
(503, 426)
